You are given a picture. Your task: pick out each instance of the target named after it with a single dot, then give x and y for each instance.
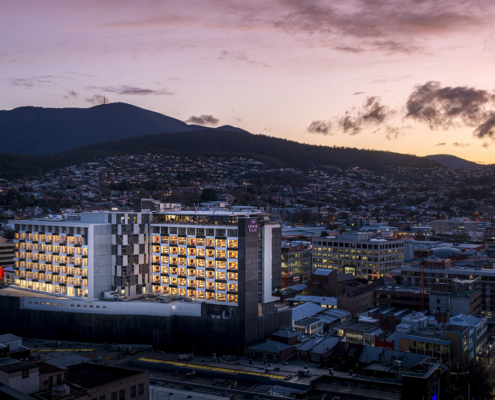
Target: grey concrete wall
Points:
(175, 334)
(100, 256)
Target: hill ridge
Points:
(39, 131)
(271, 150)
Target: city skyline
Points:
(405, 76)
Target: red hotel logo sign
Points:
(253, 226)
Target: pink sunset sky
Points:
(406, 76)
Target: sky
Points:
(409, 76)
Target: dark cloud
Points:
(372, 113)
(487, 127)
(97, 99)
(430, 103)
(319, 128)
(485, 145)
(449, 106)
(71, 94)
(240, 57)
(203, 119)
(392, 27)
(357, 93)
(131, 90)
(441, 144)
(446, 107)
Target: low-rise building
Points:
(453, 345)
(460, 296)
(309, 326)
(271, 350)
(358, 300)
(88, 381)
(317, 349)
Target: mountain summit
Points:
(38, 130)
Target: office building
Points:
(296, 263)
(454, 225)
(442, 272)
(358, 254)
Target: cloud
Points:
(358, 93)
(441, 144)
(485, 145)
(371, 113)
(131, 90)
(239, 56)
(446, 107)
(393, 132)
(319, 128)
(238, 119)
(268, 129)
(71, 94)
(203, 119)
(487, 128)
(33, 81)
(431, 104)
(97, 99)
(349, 49)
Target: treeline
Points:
(272, 151)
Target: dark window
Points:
(25, 374)
(113, 396)
(122, 394)
(102, 397)
(50, 381)
(59, 378)
(133, 391)
(141, 389)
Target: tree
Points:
(209, 195)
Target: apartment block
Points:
(358, 254)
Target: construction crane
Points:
(422, 285)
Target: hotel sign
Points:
(253, 225)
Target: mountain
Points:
(38, 130)
(214, 142)
(453, 162)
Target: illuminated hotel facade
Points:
(205, 256)
(176, 273)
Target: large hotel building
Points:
(358, 254)
(222, 264)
